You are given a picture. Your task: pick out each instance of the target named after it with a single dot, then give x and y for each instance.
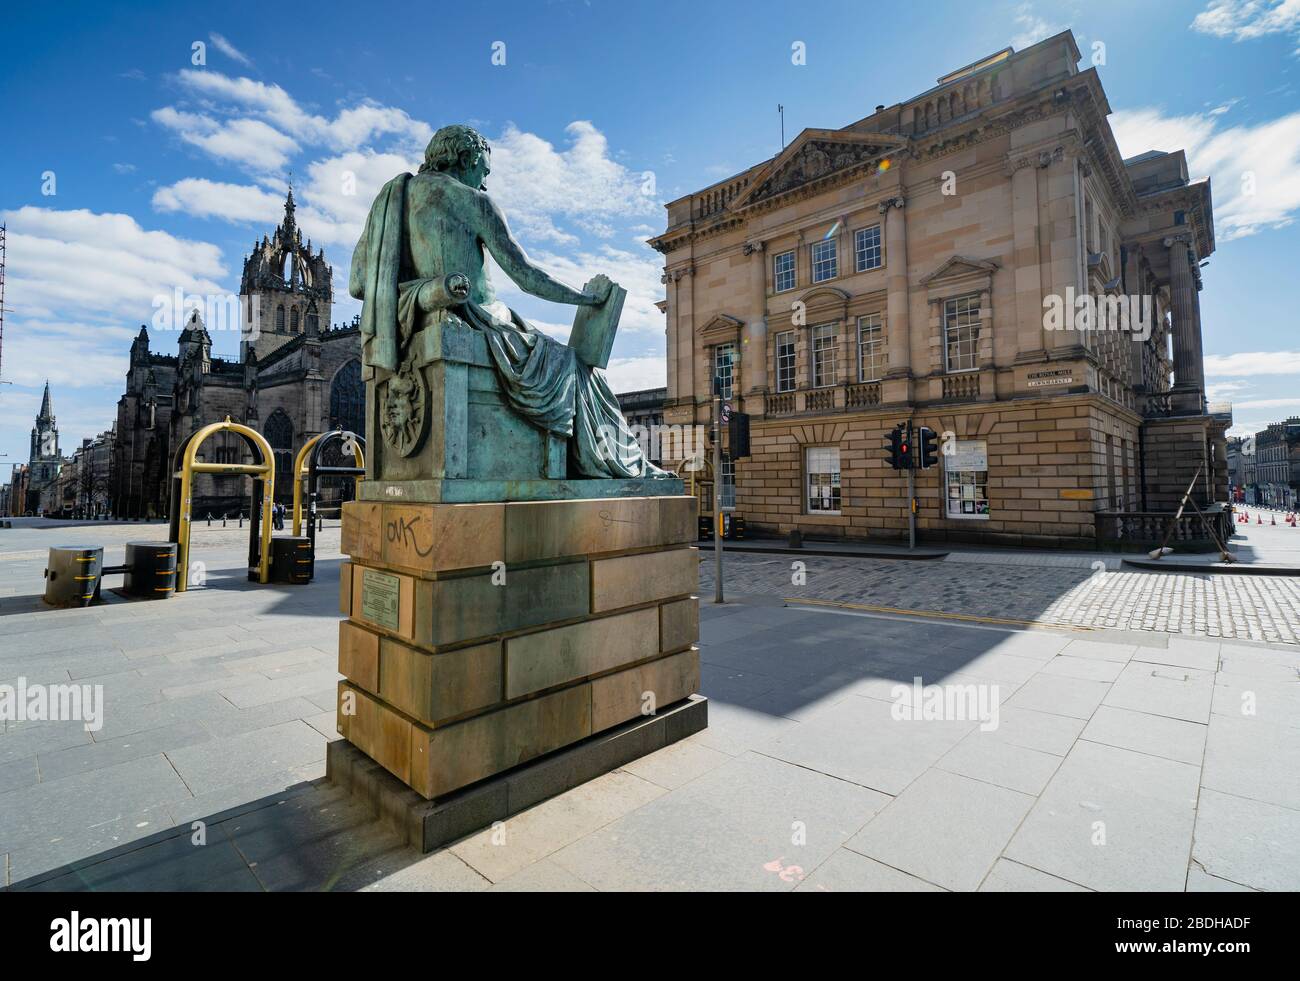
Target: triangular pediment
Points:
(813, 155)
(721, 323)
(958, 266)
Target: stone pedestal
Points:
(1173, 449)
(481, 636)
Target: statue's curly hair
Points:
(444, 150)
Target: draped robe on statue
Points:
(542, 380)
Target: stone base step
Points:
(430, 824)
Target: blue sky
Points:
(165, 172)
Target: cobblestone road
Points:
(1263, 608)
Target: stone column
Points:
(754, 342)
(898, 333)
(1189, 378)
(670, 332)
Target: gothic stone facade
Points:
(294, 379)
(898, 269)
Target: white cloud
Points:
(1246, 20)
(638, 274)
(74, 278)
(635, 374)
(1255, 169)
(213, 199)
(536, 184)
(274, 105)
(1032, 28)
(249, 143)
(1267, 404)
(102, 265)
(229, 50)
(1248, 363)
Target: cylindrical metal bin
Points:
(291, 559)
(73, 574)
(150, 570)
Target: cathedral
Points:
(295, 377)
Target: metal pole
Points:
(911, 488)
(717, 495)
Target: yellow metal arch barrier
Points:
(300, 473)
(190, 465)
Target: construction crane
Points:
(2, 301)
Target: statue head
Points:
(459, 152)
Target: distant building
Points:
(961, 260)
(44, 461)
(1277, 463)
(1241, 468)
(83, 488)
(295, 378)
(645, 409)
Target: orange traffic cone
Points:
(1258, 520)
(1274, 521)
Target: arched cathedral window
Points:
(279, 433)
(279, 317)
(347, 399)
(293, 319)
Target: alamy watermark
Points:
(1129, 314)
(920, 702)
(53, 703)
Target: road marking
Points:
(939, 615)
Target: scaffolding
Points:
(2, 300)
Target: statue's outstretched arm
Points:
(510, 255)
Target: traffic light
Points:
(900, 450)
(927, 447)
(738, 435)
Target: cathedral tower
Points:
(286, 290)
(45, 458)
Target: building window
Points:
(822, 464)
(293, 319)
(823, 355)
(783, 271)
(866, 248)
(728, 482)
(785, 361)
(871, 348)
(961, 329)
(724, 368)
(966, 476)
(348, 399)
(824, 262)
(279, 317)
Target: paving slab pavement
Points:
(1120, 759)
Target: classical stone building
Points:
(295, 378)
(644, 412)
(1277, 463)
(929, 262)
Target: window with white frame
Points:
(871, 348)
(825, 262)
(961, 330)
(724, 367)
(783, 272)
(822, 465)
(966, 479)
(866, 248)
(728, 481)
(785, 361)
(823, 355)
